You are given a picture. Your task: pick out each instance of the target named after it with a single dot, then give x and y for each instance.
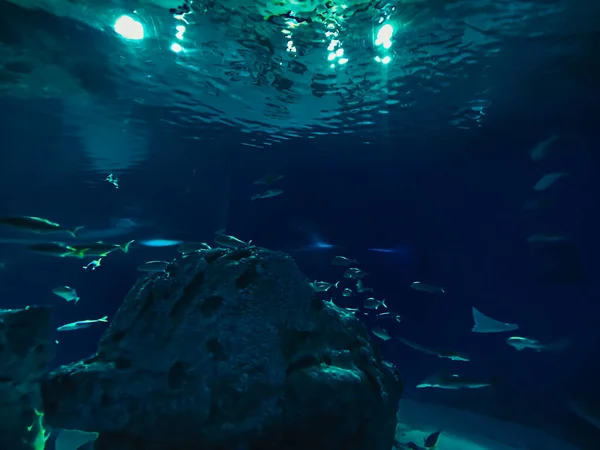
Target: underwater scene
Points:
(299, 225)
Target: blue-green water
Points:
(451, 143)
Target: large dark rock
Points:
(231, 350)
(26, 348)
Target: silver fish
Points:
(381, 333)
(423, 287)
(153, 266)
(322, 286)
(66, 292)
(538, 152)
(37, 225)
(450, 381)
(443, 354)
(373, 303)
(267, 194)
(390, 315)
(342, 261)
(93, 265)
(354, 273)
(347, 293)
(522, 343)
(268, 179)
(81, 324)
(230, 241)
(101, 248)
(548, 180)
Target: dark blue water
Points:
(447, 205)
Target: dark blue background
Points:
(449, 203)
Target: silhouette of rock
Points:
(229, 350)
(26, 348)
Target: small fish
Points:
(548, 180)
(360, 287)
(330, 302)
(522, 343)
(538, 152)
(431, 441)
(193, 247)
(66, 292)
(230, 241)
(153, 266)
(354, 273)
(267, 194)
(485, 324)
(373, 303)
(112, 179)
(546, 237)
(79, 325)
(101, 248)
(423, 287)
(383, 250)
(449, 381)
(268, 179)
(443, 354)
(390, 315)
(348, 293)
(37, 225)
(322, 286)
(58, 249)
(342, 261)
(92, 265)
(381, 333)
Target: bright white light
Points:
(129, 28)
(180, 30)
(384, 36)
(175, 47)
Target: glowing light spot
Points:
(384, 36)
(342, 60)
(129, 28)
(290, 47)
(384, 60)
(339, 52)
(176, 48)
(180, 30)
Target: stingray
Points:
(73, 439)
(485, 324)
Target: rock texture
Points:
(26, 348)
(229, 350)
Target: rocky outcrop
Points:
(229, 350)
(26, 348)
